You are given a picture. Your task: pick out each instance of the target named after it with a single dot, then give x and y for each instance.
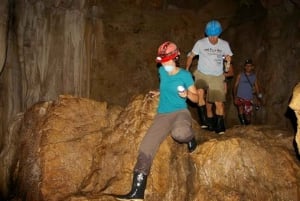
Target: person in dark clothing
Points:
(246, 92)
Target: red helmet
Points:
(166, 52)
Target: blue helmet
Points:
(213, 28)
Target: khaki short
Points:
(215, 86)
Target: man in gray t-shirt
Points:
(209, 76)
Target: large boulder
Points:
(79, 149)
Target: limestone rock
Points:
(77, 149)
(3, 32)
(58, 142)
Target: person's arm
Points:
(189, 60)
(258, 91)
(227, 64)
(230, 72)
(228, 58)
(235, 87)
(257, 88)
(192, 94)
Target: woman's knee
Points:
(182, 133)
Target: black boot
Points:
(211, 123)
(220, 124)
(192, 145)
(242, 119)
(138, 187)
(247, 119)
(202, 116)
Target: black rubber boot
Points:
(137, 189)
(192, 145)
(220, 125)
(202, 116)
(211, 123)
(247, 119)
(242, 119)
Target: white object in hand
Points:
(180, 89)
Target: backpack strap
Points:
(252, 85)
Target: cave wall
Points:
(56, 46)
(96, 49)
(105, 50)
(3, 32)
(272, 40)
(3, 49)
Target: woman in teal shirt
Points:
(173, 116)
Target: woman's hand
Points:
(183, 94)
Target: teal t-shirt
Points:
(169, 100)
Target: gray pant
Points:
(178, 123)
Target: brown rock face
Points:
(57, 157)
(105, 51)
(3, 32)
(80, 149)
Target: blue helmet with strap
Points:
(213, 28)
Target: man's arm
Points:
(189, 60)
(230, 72)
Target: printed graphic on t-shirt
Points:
(210, 56)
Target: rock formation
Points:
(104, 51)
(81, 149)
